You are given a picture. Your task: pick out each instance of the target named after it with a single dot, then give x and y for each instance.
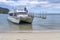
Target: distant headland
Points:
(4, 10)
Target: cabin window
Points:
(22, 13)
(11, 14)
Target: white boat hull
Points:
(17, 16)
(18, 20)
(13, 20)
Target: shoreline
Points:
(30, 36)
(29, 31)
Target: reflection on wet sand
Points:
(20, 27)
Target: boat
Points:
(43, 15)
(17, 16)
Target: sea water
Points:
(52, 22)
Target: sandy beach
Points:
(30, 36)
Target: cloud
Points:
(33, 3)
(52, 6)
(48, 4)
(27, 3)
(54, 1)
(13, 3)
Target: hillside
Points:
(4, 10)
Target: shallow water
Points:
(52, 22)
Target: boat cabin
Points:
(17, 12)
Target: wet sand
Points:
(30, 36)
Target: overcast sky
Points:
(37, 6)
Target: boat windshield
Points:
(11, 14)
(22, 13)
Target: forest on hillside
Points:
(4, 10)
